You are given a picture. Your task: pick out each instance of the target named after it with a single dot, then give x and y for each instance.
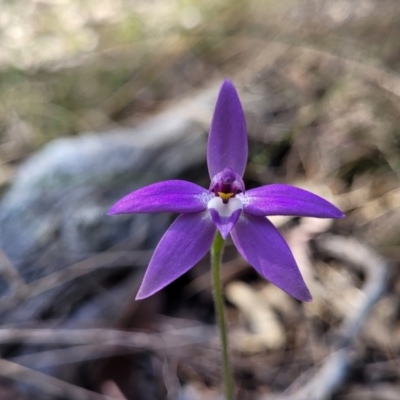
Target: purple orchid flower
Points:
(225, 206)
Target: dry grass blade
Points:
(72, 355)
(11, 275)
(47, 384)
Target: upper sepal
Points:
(227, 141)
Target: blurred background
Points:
(100, 97)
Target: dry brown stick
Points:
(102, 260)
(47, 384)
(334, 368)
(75, 337)
(72, 336)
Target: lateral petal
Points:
(167, 196)
(227, 141)
(184, 244)
(278, 199)
(260, 243)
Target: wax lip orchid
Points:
(225, 206)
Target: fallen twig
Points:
(334, 368)
(75, 337)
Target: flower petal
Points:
(225, 224)
(224, 215)
(167, 196)
(184, 244)
(287, 200)
(260, 243)
(227, 142)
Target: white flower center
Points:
(225, 210)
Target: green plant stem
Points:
(216, 255)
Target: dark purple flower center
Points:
(227, 184)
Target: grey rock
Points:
(58, 202)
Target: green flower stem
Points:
(216, 255)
